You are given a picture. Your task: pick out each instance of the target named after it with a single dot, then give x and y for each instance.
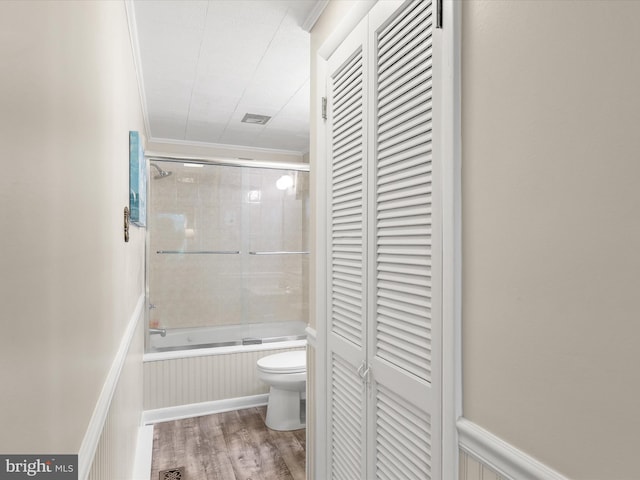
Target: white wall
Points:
(69, 283)
(551, 230)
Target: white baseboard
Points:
(168, 414)
(96, 424)
(144, 452)
(500, 456)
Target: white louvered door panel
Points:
(346, 282)
(405, 258)
(384, 279)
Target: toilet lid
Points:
(287, 362)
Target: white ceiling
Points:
(205, 64)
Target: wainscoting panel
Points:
(471, 469)
(181, 381)
(116, 448)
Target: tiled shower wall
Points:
(228, 209)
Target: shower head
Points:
(161, 173)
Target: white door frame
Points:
(452, 236)
(451, 223)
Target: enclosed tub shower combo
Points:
(227, 269)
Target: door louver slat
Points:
(347, 201)
(404, 191)
(395, 315)
(420, 83)
(421, 151)
(346, 437)
(349, 116)
(411, 106)
(397, 26)
(403, 438)
(396, 101)
(410, 65)
(348, 93)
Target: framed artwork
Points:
(137, 181)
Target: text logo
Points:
(49, 467)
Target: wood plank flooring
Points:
(228, 446)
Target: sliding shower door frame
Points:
(206, 161)
(228, 162)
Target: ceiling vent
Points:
(255, 119)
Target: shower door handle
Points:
(199, 252)
(278, 253)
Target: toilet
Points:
(286, 374)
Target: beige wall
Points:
(551, 230)
(69, 284)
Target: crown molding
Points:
(314, 15)
(137, 63)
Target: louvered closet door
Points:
(405, 244)
(346, 338)
(384, 259)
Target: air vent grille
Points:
(255, 119)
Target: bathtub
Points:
(178, 339)
(192, 366)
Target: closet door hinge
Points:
(324, 108)
(439, 14)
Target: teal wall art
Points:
(137, 181)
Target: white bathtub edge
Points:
(167, 414)
(205, 352)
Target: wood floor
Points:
(228, 446)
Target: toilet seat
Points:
(286, 362)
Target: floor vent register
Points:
(173, 474)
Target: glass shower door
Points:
(195, 266)
(228, 254)
(276, 266)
